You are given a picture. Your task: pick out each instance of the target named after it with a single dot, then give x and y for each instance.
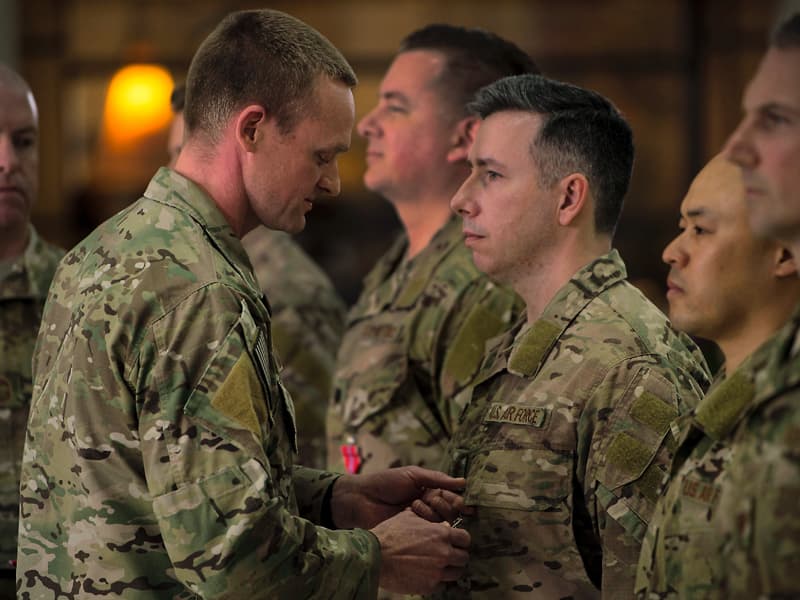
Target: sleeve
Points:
(217, 461)
(624, 451)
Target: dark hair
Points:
(474, 58)
(177, 99)
(264, 57)
(581, 132)
(787, 35)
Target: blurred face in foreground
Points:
(766, 146)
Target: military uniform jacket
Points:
(566, 439)
(307, 325)
(158, 461)
(22, 295)
(728, 525)
(414, 339)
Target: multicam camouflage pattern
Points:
(22, 295)
(307, 326)
(566, 439)
(158, 460)
(414, 339)
(728, 525)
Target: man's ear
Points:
(784, 263)
(462, 138)
(573, 198)
(249, 126)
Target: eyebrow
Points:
(487, 162)
(696, 212)
(26, 129)
(777, 106)
(337, 149)
(394, 95)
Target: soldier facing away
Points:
(417, 333)
(728, 526)
(27, 264)
(306, 311)
(565, 438)
(159, 456)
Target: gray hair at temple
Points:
(581, 132)
(787, 35)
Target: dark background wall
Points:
(676, 68)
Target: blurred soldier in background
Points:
(307, 315)
(27, 264)
(417, 333)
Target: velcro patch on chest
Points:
(532, 416)
(701, 492)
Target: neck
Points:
(421, 221)
(551, 271)
(14, 242)
(218, 173)
(757, 327)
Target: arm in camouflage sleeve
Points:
(623, 455)
(217, 462)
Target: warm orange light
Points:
(137, 103)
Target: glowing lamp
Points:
(137, 103)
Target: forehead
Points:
(16, 108)
(414, 71)
(331, 115)
(718, 188)
(777, 80)
(507, 134)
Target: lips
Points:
(673, 288)
(11, 190)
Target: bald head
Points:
(19, 161)
(719, 185)
(12, 82)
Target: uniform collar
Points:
(532, 345)
(768, 371)
(415, 273)
(173, 189)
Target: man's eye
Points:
(25, 141)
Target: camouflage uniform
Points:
(158, 461)
(307, 325)
(566, 439)
(23, 290)
(728, 525)
(413, 340)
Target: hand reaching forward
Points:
(416, 555)
(366, 500)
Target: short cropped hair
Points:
(474, 58)
(581, 132)
(261, 57)
(787, 34)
